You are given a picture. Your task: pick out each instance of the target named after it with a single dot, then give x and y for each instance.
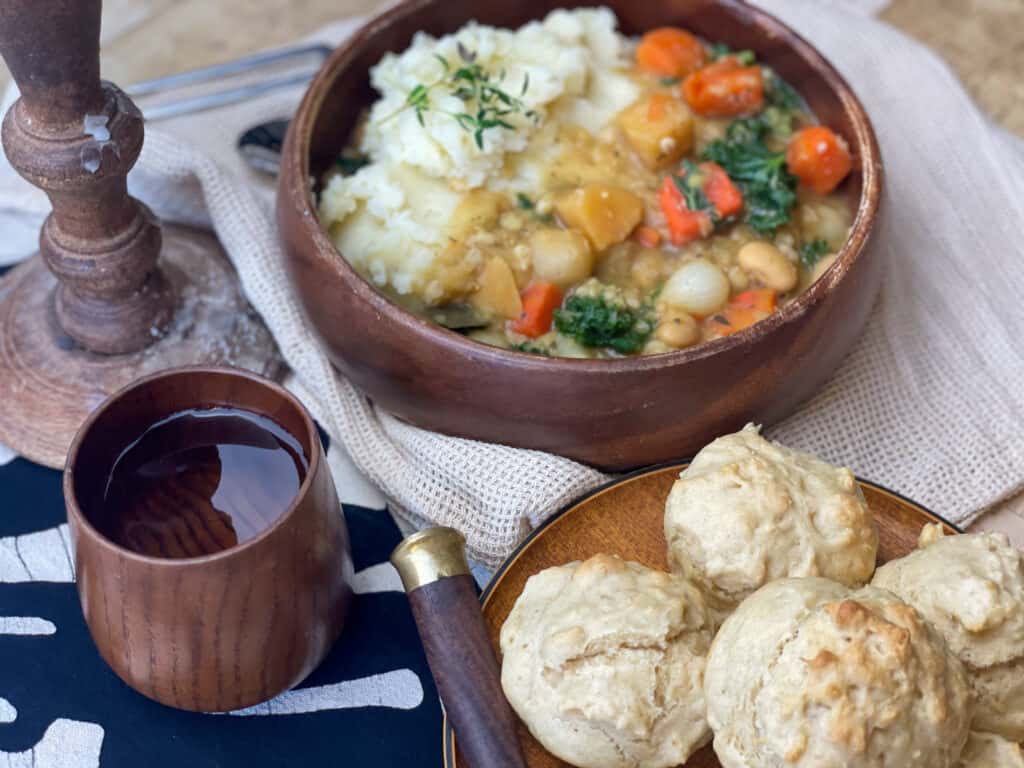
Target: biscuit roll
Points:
(433, 567)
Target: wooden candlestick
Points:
(110, 297)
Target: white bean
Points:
(698, 287)
(767, 264)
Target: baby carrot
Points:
(725, 88)
(819, 158)
(670, 52)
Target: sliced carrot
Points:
(740, 317)
(540, 300)
(725, 88)
(745, 309)
(819, 158)
(719, 189)
(684, 225)
(670, 52)
(763, 299)
(648, 237)
(735, 318)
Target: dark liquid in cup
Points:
(199, 482)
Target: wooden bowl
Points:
(625, 518)
(613, 414)
(226, 630)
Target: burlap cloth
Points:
(930, 402)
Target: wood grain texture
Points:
(222, 631)
(200, 483)
(76, 138)
(626, 519)
(442, 381)
(49, 385)
(109, 309)
(465, 669)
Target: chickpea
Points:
(824, 220)
(767, 264)
(646, 268)
(822, 265)
(738, 279)
(655, 347)
(677, 330)
(698, 287)
(561, 256)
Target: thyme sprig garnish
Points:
(488, 104)
(526, 204)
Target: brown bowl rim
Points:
(447, 734)
(73, 507)
(296, 154)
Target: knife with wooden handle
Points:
(433, 567)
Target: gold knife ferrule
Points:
(430, 555)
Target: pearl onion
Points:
(697, 287)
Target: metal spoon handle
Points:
(224, 72)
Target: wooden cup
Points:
(226, 630)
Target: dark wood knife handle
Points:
(462, 661)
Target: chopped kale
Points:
(769, 189)
(811, 253)
(458, 316)
(780, 121)
(349, 164)
(526, 204)
(718, 50)
(779, 93)
(688, 181)
(596, 321)
(670, 81)
(747, 130)
(721, 50)
(772, 122)
(531, 349)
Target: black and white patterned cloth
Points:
(372, 703)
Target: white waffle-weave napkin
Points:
(930, 402)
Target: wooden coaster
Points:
(49, 384)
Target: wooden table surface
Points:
(982, 39)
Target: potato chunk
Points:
(561, 256)
(659, 128)
(604, 213)
(496, 291)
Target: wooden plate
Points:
(625, 518)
